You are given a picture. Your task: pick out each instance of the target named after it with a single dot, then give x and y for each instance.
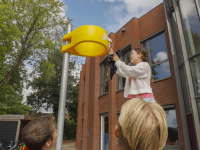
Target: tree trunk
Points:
(15, 67)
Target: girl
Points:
(137, 76)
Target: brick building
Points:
(171, 35)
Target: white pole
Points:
(62, 100)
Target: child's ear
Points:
(48, 143)
(140, 55)
(117, 131)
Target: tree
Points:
(11, 97)
(46, 83)
(69, 130)
(27, 29)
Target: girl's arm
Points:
(138, 71)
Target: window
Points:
(157, 56)
(198, 105)
(126, 52)
(104, 86)
(191, 26)
(173, 135)
(104, 132)
(195, 67)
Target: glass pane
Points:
(105, 71)
(195, 67)
(101, 90)
(106, 87)
(106, 139)
(198, 106)
(172, 127)
(120, 86)
(191, 25)
(185, 91)
(126, 57)
(144, 45)
(177, 42)
(158, 48)
(161, 71)
(123, 81)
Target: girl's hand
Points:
(110, 51)
(115, 57)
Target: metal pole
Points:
(63, 92)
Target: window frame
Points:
(102, 116)
(120, 78)
(147, 41)
(178, 147)
(103, 75)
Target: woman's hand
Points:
(115, 57)
(110, 51)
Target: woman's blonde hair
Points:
(143, 125)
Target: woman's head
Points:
(40, 133)
(142, 125)
(138, 55)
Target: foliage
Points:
(69, 130)
(27, 29)
(46, 88)
(46, 84)
(11, 102)
(28, 32)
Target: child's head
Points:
(40, 133)
(142, 125)
(138, 55)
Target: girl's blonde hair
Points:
(143, 125)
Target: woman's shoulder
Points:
(143, 64)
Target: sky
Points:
(108, 14)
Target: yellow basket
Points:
(86, 40)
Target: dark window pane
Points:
(198, 106)
(172, 127)
(126, 57)
(186, 97)
(161, 71)
(104, 88)
(145, 46)
(191, 25)
(106, 135)
(121, 82)
(195, 67)
(158, 48)
(177, 41)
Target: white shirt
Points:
(140, 75)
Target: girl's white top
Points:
(140, 75)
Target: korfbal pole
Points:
(89, 41)
(63, 92)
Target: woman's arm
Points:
(138, 71)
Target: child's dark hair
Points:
(143, 52)
(37, 132)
